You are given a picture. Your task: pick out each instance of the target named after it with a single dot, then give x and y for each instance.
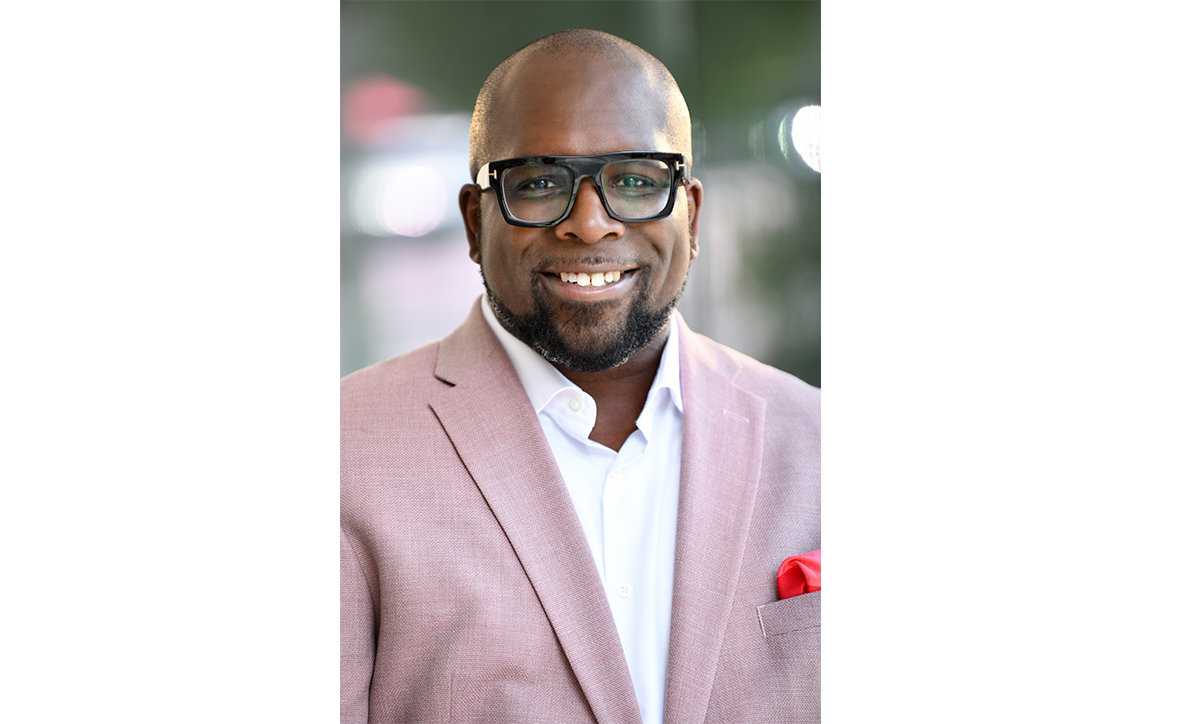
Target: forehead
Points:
(577, 105)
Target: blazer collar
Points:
(465, 348)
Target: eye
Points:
(628, 184)
(536, 183)
(629, 181)
(539, 185)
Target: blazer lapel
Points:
(488, 418)
(719, 471)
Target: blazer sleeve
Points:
(358, 637)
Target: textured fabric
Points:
(469, 593)
(626, 501)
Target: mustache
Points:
(592, 260)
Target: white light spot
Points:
(362, 199)
(411, 201)
(806, 135)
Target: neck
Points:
(620, 393)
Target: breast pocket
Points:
(792, 627)
(791, 615)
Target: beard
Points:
(600, 349)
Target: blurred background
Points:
(750, 72)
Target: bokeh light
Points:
(404, 200)
(805, 135)
(412, 201)
(371, 103)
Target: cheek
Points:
(504, 264)
(494, 248)
(497, 267)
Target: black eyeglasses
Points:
(540, 190)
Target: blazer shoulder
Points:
(785, 393)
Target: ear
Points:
(468, 204)
(695, 195)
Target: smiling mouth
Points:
(584, 279)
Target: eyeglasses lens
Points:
(537, 193)
(635, 189)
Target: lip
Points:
(569, 290)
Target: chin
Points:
(594, 337)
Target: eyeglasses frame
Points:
(581, 167)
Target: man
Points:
(573, 509)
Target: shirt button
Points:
(575, 404)
(624, 590)
(617, 475)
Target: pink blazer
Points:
(468, 590)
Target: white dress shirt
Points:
(627, 501)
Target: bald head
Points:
(589, 75)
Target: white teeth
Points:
(598, 279)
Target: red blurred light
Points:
(372, 102)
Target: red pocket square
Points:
(800, 574)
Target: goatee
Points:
(604, 350)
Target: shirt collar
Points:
(542, 380)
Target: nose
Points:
(588, 221)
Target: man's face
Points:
(577, 106)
